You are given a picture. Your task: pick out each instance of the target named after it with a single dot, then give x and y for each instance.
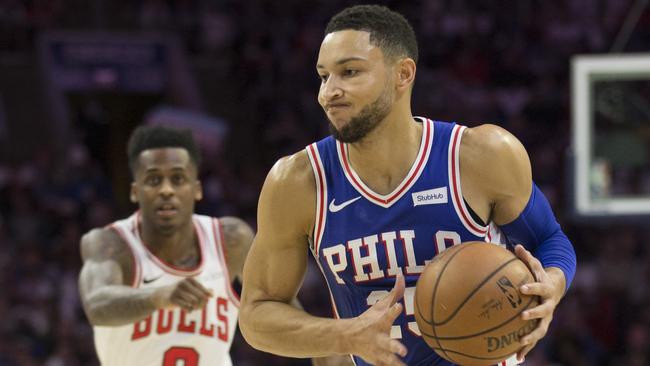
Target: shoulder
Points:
(288, 197)
(290, 180)
(102, 244)
(495, 165)
(235, 230)
(292, 170)
(492, 142)
(237, 240)
(491, 148)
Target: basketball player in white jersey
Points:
(156, 286)
(380, 197)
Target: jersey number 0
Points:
(186, 355)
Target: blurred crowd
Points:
(481, 61)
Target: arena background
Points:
(77, 76)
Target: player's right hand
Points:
(188, 294)
(370, 334)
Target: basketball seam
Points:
(475, 290)
(433, 297)
(417, 304)
(483, 331)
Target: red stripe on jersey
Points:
(456, 183)
(354, 180)
(220, 244)
(320, 218)
(405, 184)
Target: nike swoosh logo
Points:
(149, 280)
(336, 208)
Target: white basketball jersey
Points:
(173, 337)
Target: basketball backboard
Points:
(611, 134)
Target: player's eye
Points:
(350, 72)
(323, 78)
(178, 179)
(152, 180)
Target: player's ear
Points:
(198, 190)
(134, 193)
(405, 73)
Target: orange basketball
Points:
(468, 305)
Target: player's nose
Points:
(166, 188)
(331, 90)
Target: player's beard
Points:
(366, 121)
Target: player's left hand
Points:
(550, 293)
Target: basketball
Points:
(468, 305)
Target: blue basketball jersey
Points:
(362, 239)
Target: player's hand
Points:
(369, 337)
(188, 294)
(337, 360)
(550, 294)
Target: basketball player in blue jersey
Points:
(380, 198)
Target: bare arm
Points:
(106, 295)
(238, 237)
(274, 271)
(105, 278)
(335, 360)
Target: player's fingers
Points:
(181, 300)
(537, 334)
(393, 346)
(521, 355)
(195, 288)
(198, 291)
(398, 348)
(521, 251)
(537, 288)
(200, 303)
(531, 339)
(393, 313)
(533, 263)
(524, 254)
(198, 286)
(190, 298)
(540, 311)
(398, 289)
(395, 294)
(183, 304)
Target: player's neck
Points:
(171, 247)
(384, 157)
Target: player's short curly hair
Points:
(388, 30)
(155, 137)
